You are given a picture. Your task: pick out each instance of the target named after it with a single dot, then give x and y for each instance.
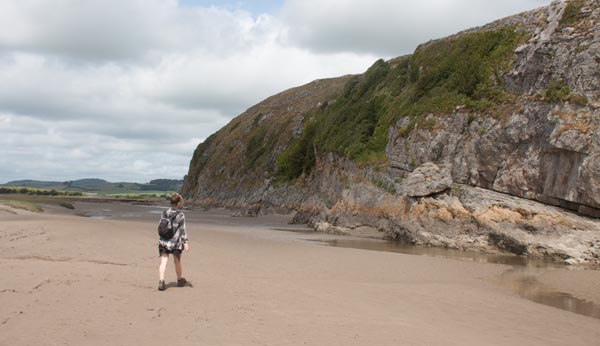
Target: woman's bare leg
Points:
(164, 259)
(177, 261)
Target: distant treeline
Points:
(36, 191)
(163, 185)
(95, 185)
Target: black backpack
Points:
(165, 226)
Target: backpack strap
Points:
(173, 217)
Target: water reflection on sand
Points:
(521, 277)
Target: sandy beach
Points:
(73, 280)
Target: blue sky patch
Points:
(256, 7)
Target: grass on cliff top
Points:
(440, 75)
(572, 13)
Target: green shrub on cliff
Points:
(572, 13)
(299, 157)
(463, 70)
(558, 91)
(469, 66)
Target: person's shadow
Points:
(174, 285)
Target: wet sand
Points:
(72, 280)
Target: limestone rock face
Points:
(556, 51)
(544, 152)
(426, 180)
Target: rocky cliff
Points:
(484, 140)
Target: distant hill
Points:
(101, 185)
(88, 182)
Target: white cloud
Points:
(91, 30)
(389, 27)
(125, 90)
(40, 149)
(133, 30)
(242, 79)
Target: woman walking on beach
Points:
(172, 240)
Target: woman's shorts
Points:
(164, 251)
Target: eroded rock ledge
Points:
(462, 217)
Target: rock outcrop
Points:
(508, 161)
(461, 217)
(427, 180)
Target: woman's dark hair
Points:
(175, 199)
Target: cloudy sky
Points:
(126, 89)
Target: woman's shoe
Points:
(181, 282)
(161, 285)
